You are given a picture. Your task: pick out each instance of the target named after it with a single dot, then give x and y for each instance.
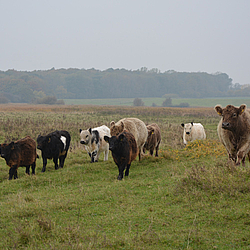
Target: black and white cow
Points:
(54, 146)
(93, 140)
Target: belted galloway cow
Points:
(21, 153)
(234, 131)
(54, 146)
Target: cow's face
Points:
(116, 129)
(230, 115)
(6, 149)
(42, 141)
(113, 142)
(151, 132)
(85, 136)
(187, 128)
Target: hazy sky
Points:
(182, 35)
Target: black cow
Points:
(124, 151)
(53, 146)
(21, 153)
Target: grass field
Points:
(187, 198)
(204, 102)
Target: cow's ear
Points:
(112, 123)
(121, 137)
(106, 138)
(152, 131)
(182, 125)
(242, 108)
(192, 123)
(80, 130)
(90, 130)
(12, 145)
(218, 109)
(122, 125)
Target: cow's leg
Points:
(151, 151)
(127, 170)
(62, 160)
(121, 170)
(156, 150)
(44, 164)
(55, 160)
(33, 167)
(13, 171)
(106, 155)
(28, 170)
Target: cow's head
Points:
(114, 141)
(116, 129)
(6, 149)
(230, 115)
(150, 137)
(85, 136)
(42, 141)
(187, 127)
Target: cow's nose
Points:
(225, 124)
(187, 133)
(82, 142)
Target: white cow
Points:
(193, 131)
(93, 140)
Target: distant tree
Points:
(154, 105)
(167, 102)
(49, 100)
(138, 102)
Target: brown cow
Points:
(234, 131)
(124, 151)
(21, 153)
(153, 140)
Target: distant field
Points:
(206, 102)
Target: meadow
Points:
(193, 102)
(187, 198)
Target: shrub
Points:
(138, 102)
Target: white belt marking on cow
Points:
(63, 139)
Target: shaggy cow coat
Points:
(21, 153)
(54, 146)
(124, 151)
(153, 140)
(193, 131)
(135, 127)
(234, 131)
(94, 143)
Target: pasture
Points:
(187, 198)
(193, 102)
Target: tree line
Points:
(36, 86)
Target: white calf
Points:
(193, 131)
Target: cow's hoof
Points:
(119, 178)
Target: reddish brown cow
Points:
(124, 151)
(234, 131)
(21, 153)
(153, 140)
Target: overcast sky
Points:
(182, 35)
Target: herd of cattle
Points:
(126, 139)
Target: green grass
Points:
(187, 198)
(204, 102)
